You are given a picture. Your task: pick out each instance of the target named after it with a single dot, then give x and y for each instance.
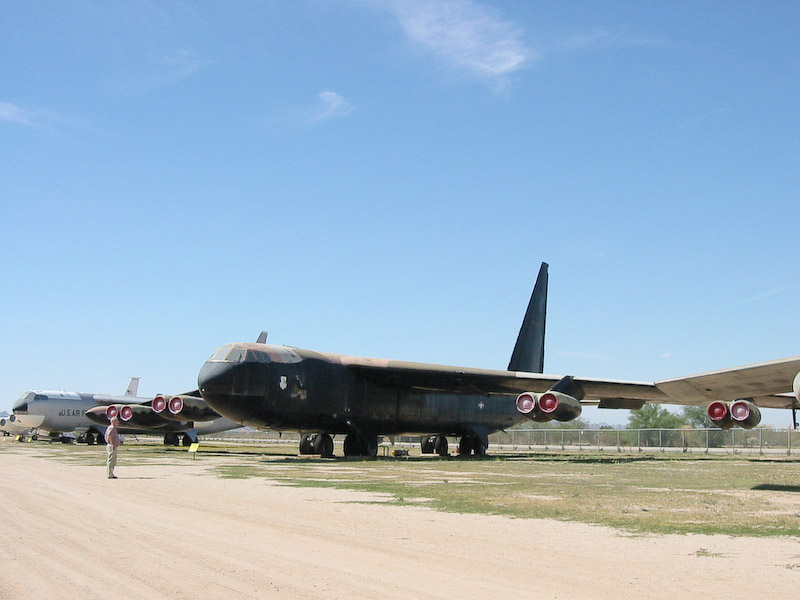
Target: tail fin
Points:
(133, 387)
(528, 352)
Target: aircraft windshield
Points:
(259, 356)
(235, 353)
(222, 352)
(21, 405)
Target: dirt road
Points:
(180, 531)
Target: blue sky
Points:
(383, 178)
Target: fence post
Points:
(789, 442)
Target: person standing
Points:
(112, 444)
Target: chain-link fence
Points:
(730, 441)
(757, 441)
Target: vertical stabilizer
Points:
(133, 387)
(528, 353)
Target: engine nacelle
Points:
(159, 404)
(796, 387)
(745, 414)
(560, 403)
(720, 414)
(549, 406)
(183, 408)
(125, 413)
(558, 406)
(741, 413)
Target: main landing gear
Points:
(468, 445)
(471, 445)
(317, 443)
(354, 445)
(173, 438)
(434, 444)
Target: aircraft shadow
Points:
(776, 487)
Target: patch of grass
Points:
(639, 494)
(724, 495)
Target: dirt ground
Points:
(167, 531)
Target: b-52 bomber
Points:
(322, 395)
(62, 414)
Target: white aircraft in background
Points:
(10, 425)
(62, 414)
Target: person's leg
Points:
(111, 460)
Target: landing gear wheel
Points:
(357, 445)
(307, 443)
(323, 445)
(186, 440)
(469, 445)
(171, 439)
(440, 445)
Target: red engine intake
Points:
(548, 407)
(159, 404)
(526, 403)
(175, 405)
(745, 414)
(125, 413)
(112, 412)
(720, 414)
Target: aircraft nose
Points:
(215, 379)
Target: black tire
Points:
(323, 445)
(307, 443)
(440, 445)
(353, 445)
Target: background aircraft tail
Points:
(133, 387)
(528, 352)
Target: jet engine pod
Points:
(745, 414)
(558, 406)
(796, 386)
(183, 408)
(526, 402)
(125, 413)
(562, 402)
(112, 412)
(175, 405)
(720, 414)
(159, 404)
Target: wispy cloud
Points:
(330, 105)
(464, 34)
(14, 114)
(161, 70)
(11, 113)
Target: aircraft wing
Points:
(439, 378)
(768, 384)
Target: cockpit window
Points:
(222, 352)
(258, 356)
(235, 355)
(21, 405)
